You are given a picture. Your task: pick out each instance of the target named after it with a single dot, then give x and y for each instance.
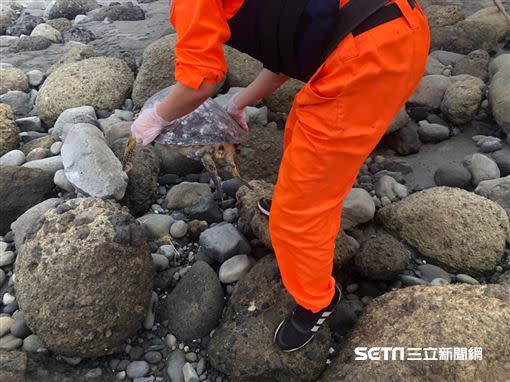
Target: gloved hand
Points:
(147, 126)
(236, 112)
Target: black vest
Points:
(287, 36)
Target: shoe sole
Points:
(262, 209)
(293, 349)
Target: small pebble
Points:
(351, 288)
(190, 375)
(179, 229)
(120, 376)
(8, 299)
(94, 373)
(137, 369)
(439, 281)
(32, 343)
(160, 262)
(55, 148)
(411, 280)
(498, 269)
(171, 341)
(191, 357)
(5, 325)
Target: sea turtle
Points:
(209, 133)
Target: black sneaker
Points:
(264, 205)
(301, 324)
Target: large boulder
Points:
(100, 82)
(464, 37)
(493, 18)
(84, 277)
(142, 178)
(455, 229)
(430, 91)
(13, 79)
(48, 32)
(434, 317)
(90, 165)
(499, 95)
(9, 139)
(194, 307)
(475, 64)
(462, 99)
(69, 8)
(20, 189)
(242, 346)
(440, 16)
(75, 51)
(157, 69)
(497, 190)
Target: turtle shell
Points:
(208, 124)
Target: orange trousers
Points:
(336, 121)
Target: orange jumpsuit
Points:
(335, 122)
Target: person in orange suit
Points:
(355, 86)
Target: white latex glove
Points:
(147, 126)
(236, 112)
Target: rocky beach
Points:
(157, 276)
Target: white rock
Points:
(6, 258)
(482, 168)
(55, 148)
(35, 77)
(47, 31)
(60, 179)
(235, 268)
(80, 19)
(90, 165)
(8, 40)
(358, 208)
(388, 187)
(8, 299)
(50, 165)
(12, 158)
(190, 375)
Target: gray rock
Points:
(153, 357)
(400, 121)
(25, 222)
(497, 190)
(18, 101)
(194, 306)
(3, 277)
(160, 262)
(94, 373)
(430, 272)
(48, 32)
(24, 24)
(411, 280)
(502, 159)
(174, 163)
(230, 215)
(6, 41)
(358, 208)
(462, 99)
(432, 132)
(482, 168)
(137, 369)
(204, 208)
(179, 229)
(453, 175)
(82, 114)
(222, 242)
(464, 37)
(406, 141)
(122, 12)
(30, 124)
(37, 153)
(78, 34)
(19, 327)
(235, 268)
(381, 257)
(491, 144)
(90, 165)
(32, 343)
(35, 77)
(29, 43)
(150, 317)
(439, 282)
(466, 279)
(60, 180)
(499, 96)
(156, 225)
(434, 66)
(175, 364)
(190, 375)
(20, 189)
(445, 57)
(431, 90)
(12, 158)
(49, 165)
(55, 148)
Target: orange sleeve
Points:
(201, 28)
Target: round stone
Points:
(137, 369)
(32, 343)
(439, 281)
(84, 269)
(13, 158)
(235, 268)
(179, 229)
(466, 279)
(153, 357)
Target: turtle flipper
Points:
(230, 158)
(129, 150)
(210, 166)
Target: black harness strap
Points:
(382, 16)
